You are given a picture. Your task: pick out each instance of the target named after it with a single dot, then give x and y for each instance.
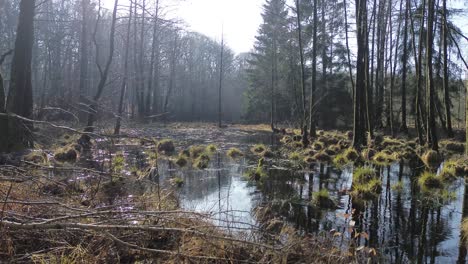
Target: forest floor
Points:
(65, 204)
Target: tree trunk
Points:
(314, 71)
(85, 139)
(220, 88)
(20, 95)
(83, 92)
(125, 77)
(431, 124)
(305, 140)
(152, 91)
(448, 114)
(404, 126)
(361, 74)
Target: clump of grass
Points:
(202, 162)
(286, 140)
(368, 191)
(258, 149)
(309, 159)
(351, 155)
(429, 181)
(387, 142)
(309, 152)
(66, 154)
(295, 156)
(322, 157)
(37, 157)
(177, 181)
(336, 148)
(366, 184)
(166, 146)
(330, 152)
(349, 135)
(196, 151)
(268, 154)
(317, 146)
(181, 161)
(383, 158)
(340, 160)
(431, 159)
(464, 230)
(297, 145)
(368, 153)
(322, 199)
(453, 146)
(363, 175)
(449, 171)
(118, 162)
(211, 148)
(256, 174)
(234, 153)
(398, 187)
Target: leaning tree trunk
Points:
(16, 132)
(85, 139)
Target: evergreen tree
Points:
(267, 58)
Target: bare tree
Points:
(84, 140)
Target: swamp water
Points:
(400, 224)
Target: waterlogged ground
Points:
(401, 224)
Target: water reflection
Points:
(398, 223)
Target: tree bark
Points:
(83, 92)
(448, 114)
(20, 95)
(431, 124)
(314, 71)
(305, 140)
(404, 126)
(361, 74)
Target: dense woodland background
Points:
(381, 64)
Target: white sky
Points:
(239, 18)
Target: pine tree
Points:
(269, 52)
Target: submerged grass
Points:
(322, 199)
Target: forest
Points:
(339, 137)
